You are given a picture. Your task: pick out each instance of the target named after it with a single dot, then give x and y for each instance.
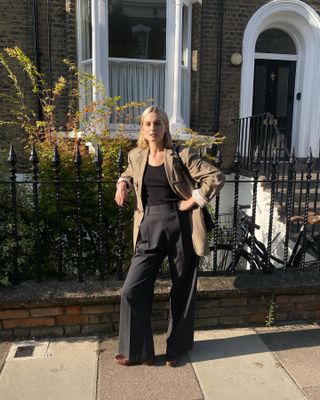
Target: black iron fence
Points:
(286, 195)
(61, 220)
(68, 225)
(260, 131)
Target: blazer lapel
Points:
(142, 162)
(168, 164)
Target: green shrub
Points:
(91, 124)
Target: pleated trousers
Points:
(164, 231)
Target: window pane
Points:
(185, 95)
(86, 29)
(137, 29)
(185, 22)
(85, 87)
(275, 41)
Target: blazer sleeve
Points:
(209, 178)
(127, 175)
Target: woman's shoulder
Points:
(135, 152)
(185, 152)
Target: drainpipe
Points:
(36, 49)
(219, 65)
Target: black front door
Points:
(274, 92)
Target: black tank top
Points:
(156, 188)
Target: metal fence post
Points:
(289, 204)
(255, 166)
(274, 173)
(98, 162)
(237, 164)
(120, 223)
(56, 161)
(306, 208)
(35, 170)
(78, 162)
(218, 163)
(12, 159)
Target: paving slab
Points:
(4, 349)
(235, 364)
(312, 393)
(141, 382)
(58, 370)
(298, 350)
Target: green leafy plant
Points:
(84, 129)
(93, 120)
(269, 321)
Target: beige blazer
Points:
(208, 178)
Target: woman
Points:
(168, 221)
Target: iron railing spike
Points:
(12, 158)
(292, 159)
(77, 158)
(34, 156)
(98, 157)
(309, 161)
(274, 161)
(218, 160)
(256, 156)
(56, 156)
(120, 155)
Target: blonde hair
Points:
(142, 142)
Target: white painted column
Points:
(99, 11)
(176, 120)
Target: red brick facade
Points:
(57, 22)
(209, 109)
(222, 301)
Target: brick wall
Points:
(16, 29)
(35, 311)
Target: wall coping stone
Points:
(53, 292)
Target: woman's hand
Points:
(185, 205)
(121, 194)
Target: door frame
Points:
(302, 23)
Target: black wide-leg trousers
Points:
(164, 231)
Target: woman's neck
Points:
(155, 148)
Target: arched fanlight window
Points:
(275, 41)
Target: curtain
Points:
(137, 81)
(86, 29)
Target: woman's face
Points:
(153, 128)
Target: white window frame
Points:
(100, 59)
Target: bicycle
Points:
(305, 244)
(244, 240)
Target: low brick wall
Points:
(71, 308)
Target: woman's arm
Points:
(124, 184)
(209, 178)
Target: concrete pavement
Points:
(278, 363)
